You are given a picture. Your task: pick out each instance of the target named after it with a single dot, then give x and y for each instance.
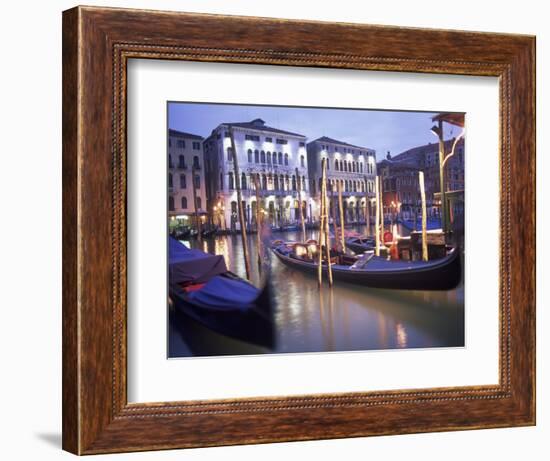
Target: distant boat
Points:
(373, 271)
(360, 244)
(207, 233)
(287, 228)
(431, 224)
(201, 287)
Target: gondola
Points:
(360, 244)
(373, 271)
(201, 287)
(208, 233)
(412, 225)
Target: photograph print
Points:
(313, 229)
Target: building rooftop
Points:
(183, 134)
(398, 164)
(335, 141)
(431, 147)
(411, 158)
(259, 124)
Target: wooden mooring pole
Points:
(424, 217)
(321, 230)
(240, 203)
(197, 218)
(258, 221)
(327, 237)
(341, 206)
(299, 184)
(377, 219)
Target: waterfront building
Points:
(271, 153)
(400, 187)
(185, 160)
(353, 166)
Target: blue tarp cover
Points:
(186, 265)
(225, 293)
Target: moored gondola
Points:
(201, 287)
(360, 244)
(373, 271)
(209, 233)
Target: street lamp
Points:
(437, 130)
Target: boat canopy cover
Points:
(186, 265)
(225, 293)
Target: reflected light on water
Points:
(401, 336)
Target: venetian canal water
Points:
(345, 318)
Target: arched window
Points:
(293, 182)
(269, 158)
(171, 203)
(341, 165)
(262, 157)
(196, 163)
(336, 165)
(243, 181)
(256, 156)
(276, 182)
(170, 161)
(183, 181)
(199, 203)
(249, 155)
(286, 159)
(170, 180)
(197, 182)
(181, 161)
(303, 183)
(231, 182)
(280, 158)
(361, 167)
(302, 161)
(264, 182)
(184, 203)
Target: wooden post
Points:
(299, 187)
(240, 203)
(367, 207)
(197, 219)
(340, 205)
(321, 229)
(377, 220)
(443, 209)
(424, 217)
(327, 237)
(258, 221)
(333, 208)
(381, 198)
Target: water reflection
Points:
(345, 317)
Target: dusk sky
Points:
(381, 130)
